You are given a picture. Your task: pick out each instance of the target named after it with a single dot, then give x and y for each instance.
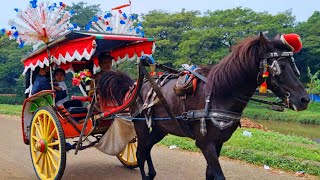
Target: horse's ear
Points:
(263, 41)
(277, 37)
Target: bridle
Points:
(275, 70)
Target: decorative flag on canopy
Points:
(116, 22)
(40, 23)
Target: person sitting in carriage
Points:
(41, 81)
(60, 86)
(105, 63)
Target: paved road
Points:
(15, 162)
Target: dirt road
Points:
(15, 162)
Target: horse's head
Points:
(283, 77)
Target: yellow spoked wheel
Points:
(47, 144)
(128, 156)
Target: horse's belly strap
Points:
(220, 118)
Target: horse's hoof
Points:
(148, 178)
(145, 178)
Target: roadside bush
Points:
(11, 100)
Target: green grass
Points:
(287, 152)
(10, 109)
(11, 100)
(259, 111)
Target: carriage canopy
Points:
(80, 45)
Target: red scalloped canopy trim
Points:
(66, 52)
(131, 50)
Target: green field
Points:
(10, 109)
(259, 111)
(279, 151)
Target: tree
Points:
(216, 32)
(314, 83)
(168, 29)
(310, 53)
(10, 60)
(84, 13)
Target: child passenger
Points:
(60, 86)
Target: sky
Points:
(301, 9)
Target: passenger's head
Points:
(105, 61)
(44, 71)
(59, 74)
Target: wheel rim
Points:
(45, 145)
(128, 155)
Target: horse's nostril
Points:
(305, 100)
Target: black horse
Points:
(229, 85)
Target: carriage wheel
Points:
(128, 156)
(47, 144)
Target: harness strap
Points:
(220, 118)
(158, 91)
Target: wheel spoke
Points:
(38, 158)
(133, 154)
(50, 168)
(45, 126)
(38, 130)
(48, 127)
(46, 167)
(51, 135)
(41, 126)
(35, 138)
(54, 162)
(43, 164)
(135, 145)
(54, 152)
(53, 144)
(122, 153)
(128, 152)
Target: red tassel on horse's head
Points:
(263, 87)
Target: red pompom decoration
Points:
(265, 74)
(293, 41)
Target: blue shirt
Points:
(40, 83)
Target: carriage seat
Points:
(78, 113)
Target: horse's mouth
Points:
(296, 106)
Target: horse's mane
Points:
(113, 87)
(233, 70)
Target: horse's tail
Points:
(113, 87)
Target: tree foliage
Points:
(192, 36)
(10, 61)
(314, 82)
(310, 53)
(84, 12)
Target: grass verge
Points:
(10, 109)
(259, 111)
(287, 152)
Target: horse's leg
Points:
(214, 171)
(143, 140)
(156, 136)
(218, 148)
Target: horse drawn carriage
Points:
(208, 112)
(46, 127)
